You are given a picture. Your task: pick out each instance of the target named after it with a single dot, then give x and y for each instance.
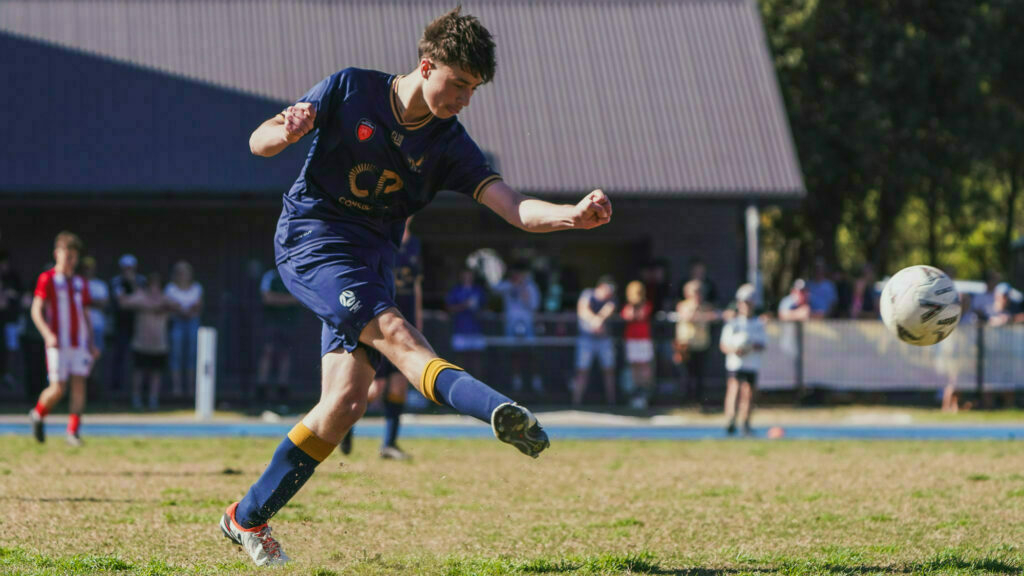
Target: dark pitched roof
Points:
(90, 124)
(646, 96)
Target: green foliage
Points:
(909, 122)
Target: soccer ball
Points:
(920, 305)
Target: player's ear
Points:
(425, 67)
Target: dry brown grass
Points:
(474, 506)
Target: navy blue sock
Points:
(392, 415)
(294, 461)
(448, 384)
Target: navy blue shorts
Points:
(346, 286)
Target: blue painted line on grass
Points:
(240, 430)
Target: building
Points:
(143, 108)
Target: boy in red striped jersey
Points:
(59, 313)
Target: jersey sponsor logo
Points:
(348, 300)
(365, 180)
(365, 130)
(397, 138)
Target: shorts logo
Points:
(365, 130)
(349, 300)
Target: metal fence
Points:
(839, 355)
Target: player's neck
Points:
(63, 270)
(410, 95)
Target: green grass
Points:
(468, 507)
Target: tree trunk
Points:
(1005, 253)
(933, 225)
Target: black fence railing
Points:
(838, 355)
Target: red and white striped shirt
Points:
(64, 302)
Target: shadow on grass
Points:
(945, 563)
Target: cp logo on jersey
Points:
(365, 130)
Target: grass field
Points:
(151, 506)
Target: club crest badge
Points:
(365, 130)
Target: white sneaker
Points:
(517, 426)
(261, 546)
(74, 440)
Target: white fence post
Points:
(206, 372)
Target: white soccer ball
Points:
(920, 305)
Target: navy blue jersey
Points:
(366, 171)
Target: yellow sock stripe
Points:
(430, 373)
(308, 442)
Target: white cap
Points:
(127, 261)
(745, 293)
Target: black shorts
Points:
(744, 376)
(386, 368)
(147, 361)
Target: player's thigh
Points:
(398, 340)
(346, 378)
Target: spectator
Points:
(743, 339)
(656, 285)
(792, 309)
(821, 292)
(10, 314)
(864, 300)
(699, 271)
(1002, 308)
(693, 337)
(594, 308)
(795, 306)
(186, 296)
(983, 304)
(464, 302)
(149, 343)
(280, 316)
(99, 297)
(522, 298)
(124, 285)
(639, 348)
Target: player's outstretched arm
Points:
(282, 130)
(533, 215)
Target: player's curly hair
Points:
(460, 41)
(68, 240)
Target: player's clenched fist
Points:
(298, 121)
(593, 211)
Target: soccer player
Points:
(59, 313)
(388, 381)
(383, 146)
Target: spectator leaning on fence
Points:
(639, 347)
(149, 343)
(693, 337)
(821, 291)
(186, 295)
(593, 309)
(521, 298)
